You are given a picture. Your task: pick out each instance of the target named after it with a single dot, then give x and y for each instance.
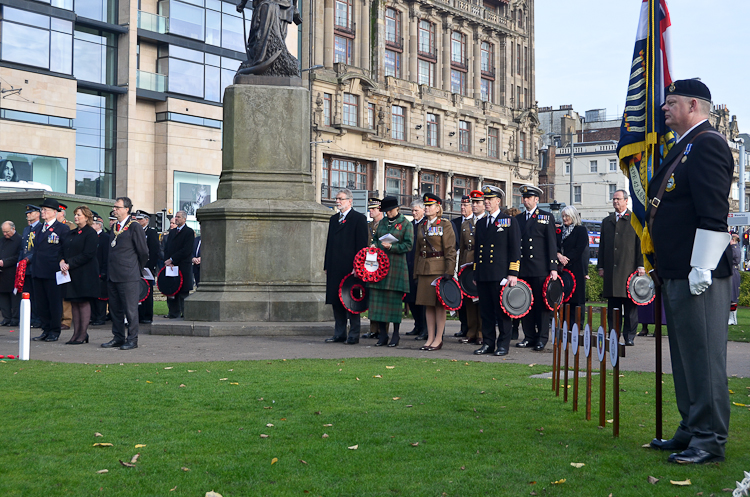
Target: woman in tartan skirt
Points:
(386, 295)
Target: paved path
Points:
(168, 349)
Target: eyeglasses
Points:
(118, 206)
(342, 198)
(618, 198)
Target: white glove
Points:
(699, 279)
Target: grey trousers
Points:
(697, 326)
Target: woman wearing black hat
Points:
(436, 257)
(80, 261)
(386, 295)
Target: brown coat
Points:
(619, 254)
(440, 238)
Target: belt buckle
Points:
(655, 202)
(424, 254)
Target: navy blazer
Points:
(538, 244)
(497, 248)
(48, 250)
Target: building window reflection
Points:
(95, 125)
(36, 40)
(95, 55)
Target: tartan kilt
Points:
(385, 306)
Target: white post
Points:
(24, 337)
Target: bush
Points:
(595, 285)
(744, 289)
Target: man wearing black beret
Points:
(687, 217)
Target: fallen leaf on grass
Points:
(578, 464)
(454, 360)
(317, 412)
(170, 367)
(102, 444)
(738, 404)
(274, 460)
(134, 459)
(683, 483)
(173, 489)
(211, 494)
(558, 482)
(263, 435)
(731, 391)
(652, 480)
(396, 398)
(325, 435)
(353, 447)
(267, 407)
(391, 367)
(356, 379)
(329, 424)
(97, 434)
(138, 446)
(532, 365)
(149, 381)
(377, 376)
(189, 371)
(182, 385)
(415, 444)
(185, 469)
(303, 462)
(270, 425)
(234, 383)
(102, 471)
(409, 405)
(223, 379)
(127, 464)
(610, 421)
(463, 468)
(646, 446)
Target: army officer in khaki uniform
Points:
(466, 247)
(435, 257)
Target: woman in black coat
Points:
(574, 253)
(80, 261)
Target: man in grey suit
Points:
(128, 254)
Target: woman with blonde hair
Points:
(435, 257)
(574, 253)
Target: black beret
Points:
(691, 88)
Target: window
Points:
(429, 183)
(395, 180)
(350, 109)
(96, 141)
(427, 40)
(217, 23)
(493, 141)
(458, 82)
(613, 164)
(594, 167)
(393, 28)
(486, 90)
(52, 171)
(519, 102)
(517, 198)
(432, 130)
(397, 122)
(94, 56)
(100, 10)
(195, 73)
(341, 173)
(187, 20)
(577, 194)
(392, 63)
(371, 115)
(36, 40)
(458, 49)
(522, 145)
(326, 109)
(612, 188)
(460, 188)
(342, 50)
(525, 96)
(344, 14)
(487, 65)
(464, 136)
(567, 167)
(188, 119)
(526, 63)
(426, 70)
(518, 58)
(31, 117)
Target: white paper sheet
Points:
(147, 274)
(172, 271)
(388, 238)
(62, 278)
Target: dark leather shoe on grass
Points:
(694, 456)
(671, 444)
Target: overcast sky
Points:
(584, 49)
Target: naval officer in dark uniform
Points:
(496, 258)
(694, 261)
(146, 308)
(538, 260)
(27, 253)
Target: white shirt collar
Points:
(495, 214)
(691, 129)
(481, 215)
(344, 213)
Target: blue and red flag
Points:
(644, 138)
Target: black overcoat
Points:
(538, 244)
(345, 239)
(497, 249)
(179, 248)
(79, 252)
(619, 254)
(576, 248)
(9, 250)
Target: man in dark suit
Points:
(178, 252)
(347, 235)
(688, 226)
(457, 223)
(146, 308)
(99, 306)
(619, 256)
(197, 260)
(10, 247)
(47, 298)
(128, 254)
(496, 257)
(417, 311)
(538, 260)
(27, 253)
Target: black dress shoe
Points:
(629, 343)
(643, 333)
(52, 338)
(539, 347)
(40, 338)
(691, 455)
(5, 322)
(524, 344)
(412, 332)
(460, 334)
(484, 350)
(113, 344)
(335, 339)
(352, 341)
(129, 345)
(670, 444)
(143, 321)
(501, 351)
(36, 325)
(421, 337)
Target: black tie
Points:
(341, 217)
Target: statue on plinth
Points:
(266, 50)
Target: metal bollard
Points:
(24, 337)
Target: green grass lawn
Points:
(424, 428)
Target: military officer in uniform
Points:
(538, 260)
(687, 215)
(457, 223)
(466, 247)
(373, 207)
(146, 308)
(417, 311)
(99, 305)
(27, 252)
(496, 257)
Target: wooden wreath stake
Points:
(588, 368)
(567, 320)
(603, 374)
(555, 345)
(559, 352)
(616, 375)
(657, 339)
(575, 362)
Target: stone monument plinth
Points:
(263, 239)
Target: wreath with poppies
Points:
(363, 272)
